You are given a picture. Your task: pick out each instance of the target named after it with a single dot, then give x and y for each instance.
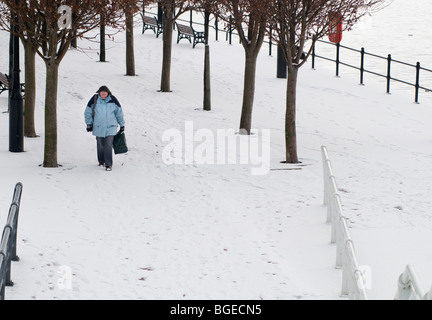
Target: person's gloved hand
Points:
(122, 129)
(89, 128)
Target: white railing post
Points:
(428, 295)
(409, 286)
(352, 278)
(404, 288)
(340, 247)
(324, 162)
(353, 283)
(334, 220)
(345, 281)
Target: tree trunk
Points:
(248, 93)
(102, 53)
(50, 154)
(74, 42)
(130, 55)
(167, 50)
(290, 117)
(207, 90)
(30, 90)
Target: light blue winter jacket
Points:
(108, 114)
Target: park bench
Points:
(187, 32)
(4, 83)
(152, 24)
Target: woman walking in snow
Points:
(102, 115)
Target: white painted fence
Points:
(353, 279)
(410, 288)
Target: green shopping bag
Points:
(119, 143)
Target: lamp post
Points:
(16, 112)
(102, 51)
(207, 90)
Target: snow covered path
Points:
(147, 230)
(152, 231)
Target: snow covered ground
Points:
(148, 230)
(402, 29)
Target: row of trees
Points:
(294, 24)
(42, 34)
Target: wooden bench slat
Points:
(149, 21)
(4, 79)
(153, 24)
(185, 29)
(4, 83)
(186, 32)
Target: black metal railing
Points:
(362, 69)
(230, 31)
(8, 245)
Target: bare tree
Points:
(30, 74)
(206, 6)
(130, 9)
(170, 15)
(30, 88)
(297, 25)
(40, 21)
(250, 18)
(130, 54)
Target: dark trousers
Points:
(105, 150)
